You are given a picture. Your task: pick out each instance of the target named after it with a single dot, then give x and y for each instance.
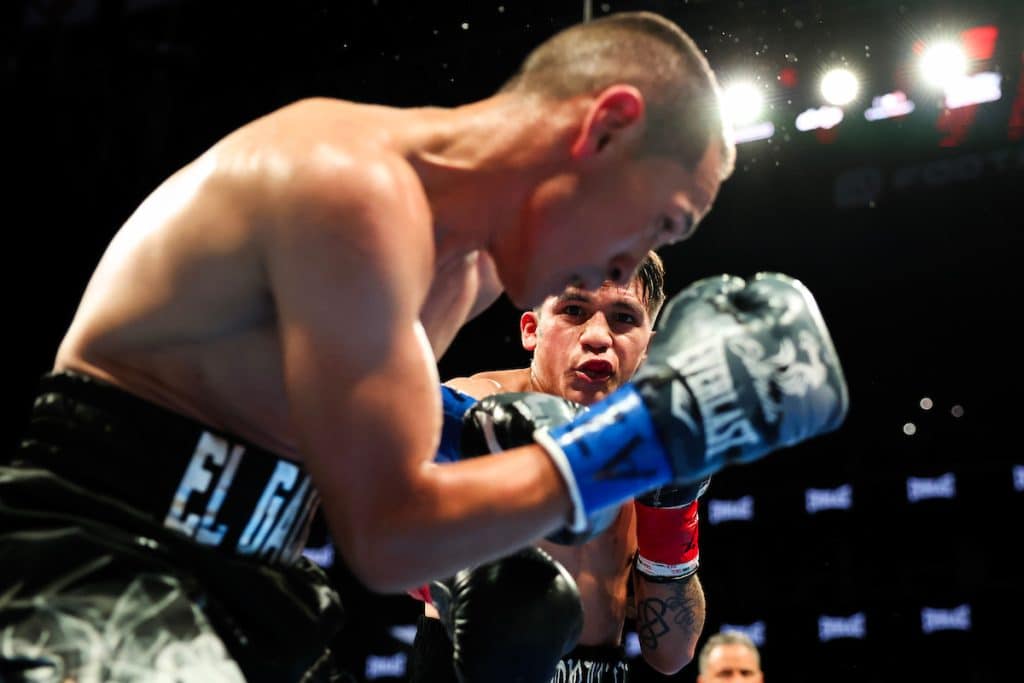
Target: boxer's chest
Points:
(453, 294)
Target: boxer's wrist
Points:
(667, 541)
(607, 454)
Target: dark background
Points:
(908, 232)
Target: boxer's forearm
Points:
(453, 516)
(669, 621)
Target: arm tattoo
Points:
(655, 616)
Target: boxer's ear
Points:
(614, 116)
(528, 322)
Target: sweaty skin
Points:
(586, 344)
(601, 566)
(284, 284)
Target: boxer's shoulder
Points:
(492, 382)
(352, 215)
(321, 156)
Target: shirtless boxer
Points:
(585, 344)
(235, 357)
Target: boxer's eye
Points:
(672, 230)
(689, 225)
(661, 228)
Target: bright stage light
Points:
(976, 89)
(824, 118)
(942, 63)
(889, 106)
(839, 87)
(743, 103)
(754, 131)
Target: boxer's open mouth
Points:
(596, 370)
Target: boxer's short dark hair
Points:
(651, 53)
(651, 274)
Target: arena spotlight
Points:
(743, 103)
(943, 63)
(839, 86)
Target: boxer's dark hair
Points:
(651, 274)
(651, 53)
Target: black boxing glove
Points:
(502, 421)
(510, 620)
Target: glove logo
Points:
(781, 370)
(706, 369)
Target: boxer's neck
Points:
(479, 162)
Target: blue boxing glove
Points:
(737, 370)
(509, 420)
(503, 421)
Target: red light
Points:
(787, 77)
(979, 42)
(826, 136)
(1016, 125)
(955, 123)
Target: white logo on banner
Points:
(727, 510)
(955, 619)
(386, 666)
(322, 556)
(406, 633)
(754, 631)
(632, 645)
(840, 498)
(831, 628)
(921, 488)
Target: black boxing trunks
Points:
(593, 664)
(139, 545)
(431, 660)
(432, 652)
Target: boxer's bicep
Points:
(359, 373)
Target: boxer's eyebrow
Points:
(573, 294)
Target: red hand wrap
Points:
(422, 593)
(666, 539)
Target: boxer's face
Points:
(732, 662)
(587, 225)
(586, 343)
